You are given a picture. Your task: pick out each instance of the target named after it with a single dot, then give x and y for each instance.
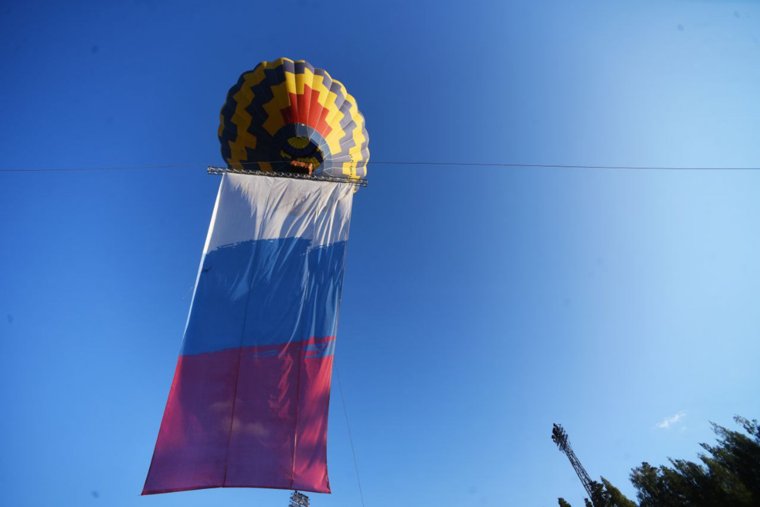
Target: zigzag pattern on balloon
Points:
(286, 113)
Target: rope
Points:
(350, 437)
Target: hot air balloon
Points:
(249, 401)
(285, 114)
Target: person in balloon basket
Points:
(299, 167)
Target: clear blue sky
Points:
(481, 304)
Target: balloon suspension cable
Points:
(360, 182)
(350, 437)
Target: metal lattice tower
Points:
(298, 499)
(559, 437)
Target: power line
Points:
(568, 166)
(92, 168)
(514, 165)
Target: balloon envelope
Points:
(288, 115)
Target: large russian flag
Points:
(249, 400)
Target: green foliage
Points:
(612, 497)
(604, 495)
(727, 474)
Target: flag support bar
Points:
(361, 182)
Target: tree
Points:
(727, 474)
(612, 497)
(604, 495)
